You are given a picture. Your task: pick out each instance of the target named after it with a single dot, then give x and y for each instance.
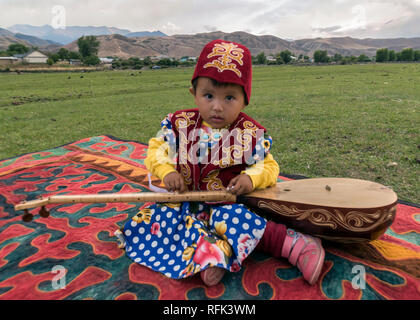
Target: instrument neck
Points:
(195, 196)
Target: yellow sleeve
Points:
(264, 173)
(157, 160)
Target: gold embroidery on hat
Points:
(227, 53)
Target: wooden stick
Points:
(197, 196)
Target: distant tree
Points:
(279, 59)
(363, 58)
(116, 64)
(88, 50)
(392, 56)
(417, 55)
(133, 60)
(286, 55)
(353, 59)
(50, 61)
(17, 48)
(75, 55)
(398, 56)
(91, 60)
(337, 57)
(63, 54)
(136, 63)
(261, 58)
(165, 62)
(54, 57)
(88, 46)
(321, 56)
(382, 55)
(147, 61)
(407, 54)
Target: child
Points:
(180, 240)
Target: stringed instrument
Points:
(336, 209)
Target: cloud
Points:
(210, 28)
(283, 18)
(327, 29)
(169, 28)
(331, 18)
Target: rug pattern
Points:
(74, 255)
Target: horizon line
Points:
(256, 35)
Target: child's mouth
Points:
(216, 119)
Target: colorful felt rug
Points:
(74, 255)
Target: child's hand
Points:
(175, 182)
(241, 184)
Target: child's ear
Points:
(192, 91)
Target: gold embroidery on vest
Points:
(184, 120)
(186, 173)
(232, 155)
(248, 125)
(213, 182)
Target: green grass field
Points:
(327, 121)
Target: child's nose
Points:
(217, 105)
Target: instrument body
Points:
(336, 209)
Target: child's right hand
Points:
(174, 182)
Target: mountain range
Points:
(72, 33)
(177, 46)
(124, 43)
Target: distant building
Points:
(8, 60)
(185, 59)
(75, 62)
(271, 59)
(32, 57)
(106, 60)
(156, 58)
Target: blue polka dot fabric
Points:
(181, 239)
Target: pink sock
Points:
(273, 239)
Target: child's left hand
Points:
(241, 184)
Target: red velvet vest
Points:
(231, 151)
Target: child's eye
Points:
(230, 98)
(208, 96)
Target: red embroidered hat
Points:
(226, 61)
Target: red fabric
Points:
(226, 61)
(273, 239)
(80, 238)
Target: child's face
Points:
(219, 106)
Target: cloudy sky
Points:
(288, 19)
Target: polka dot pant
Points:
(180, 240)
